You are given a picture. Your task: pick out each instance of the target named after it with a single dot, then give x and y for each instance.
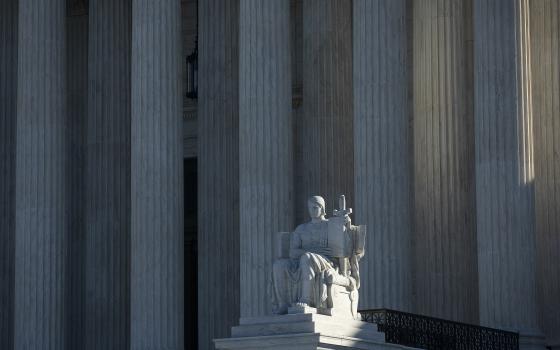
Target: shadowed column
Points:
(41, 177)
(545, 63)
(382, 151)
(218, 160)
(156, 271)
(325, 133)
(77, 78)
(108, 176)
(504, 170)
(8, 86)
(265, 145)
(444, 242)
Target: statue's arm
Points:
(295, 246)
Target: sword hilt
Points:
(342, 211)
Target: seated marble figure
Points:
(319, 272)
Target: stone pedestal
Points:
(304, 331)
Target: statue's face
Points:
(315, 210)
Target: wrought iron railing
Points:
(434, 334)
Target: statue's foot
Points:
(302, 304)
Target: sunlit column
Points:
(504, 170)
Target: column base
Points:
(304, 332)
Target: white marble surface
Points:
(304, 331)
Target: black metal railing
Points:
(431, 333)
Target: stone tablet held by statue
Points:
(339, 238)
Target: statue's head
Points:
(316, 207)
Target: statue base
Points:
(345, 305)
(308, 331)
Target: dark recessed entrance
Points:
(191, 254)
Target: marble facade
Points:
(437, 118)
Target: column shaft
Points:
(41, 177)
(444, 244)
(218, 163)
(545, 62)
(382, 151)
(156, 271)
(107, 220)
(325, 133)
(8, 86)
(265, 144)
(77, 80)
(504, 168)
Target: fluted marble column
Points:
(504, 169)
(107, 220)
(265, 144)
(326, 132)
(444, 244)
(218, 164)
(41, 177)
(156, 271)
(77, 78)
(8, 86)
(545, 62)
(382, 151)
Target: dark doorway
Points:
(191, 254)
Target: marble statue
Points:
(317, 269)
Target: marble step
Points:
(306, 323)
